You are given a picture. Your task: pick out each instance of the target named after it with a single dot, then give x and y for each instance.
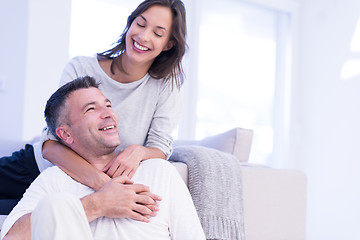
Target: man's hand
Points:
(127, 162)
(120, 198)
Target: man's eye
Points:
(90, 109)
(109, 106)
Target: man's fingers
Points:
(153, 196)
(139, 217)
(154, 209)
(139, 188)
(143, 210)
(145, 200)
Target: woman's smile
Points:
(141, 48)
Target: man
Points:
(58, 207)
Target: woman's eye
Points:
(157, 34)
(141, 25)
(109, 106)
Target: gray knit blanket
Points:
(215, 184)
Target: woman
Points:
(141, 76)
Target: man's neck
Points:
(98, 159)
(100, 162)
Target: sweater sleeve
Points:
(165, 119)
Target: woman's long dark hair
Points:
(167, 64)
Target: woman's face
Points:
(149, 35)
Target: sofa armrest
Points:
(275, 202)
(183, 171)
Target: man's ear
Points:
(63, 132)
(169, 45)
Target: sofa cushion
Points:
(236, 141)
(2, 219)
(7, 147)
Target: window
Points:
(351, 67)
(239, 72)
(237, 61)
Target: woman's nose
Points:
(145, 35)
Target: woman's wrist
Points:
(99, 180)
(150, 152)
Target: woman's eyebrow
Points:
(143, 18)
(146, 21)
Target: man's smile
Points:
(107, 128)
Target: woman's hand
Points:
(127, 162)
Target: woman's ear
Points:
(64, 134)
(169, 45)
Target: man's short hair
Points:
(56, 102)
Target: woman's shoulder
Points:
(80, 66)
(79, 60)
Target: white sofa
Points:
(274, 200)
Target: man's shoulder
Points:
(57, 178)
(53, 172)
(157, 164)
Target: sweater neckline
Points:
(130, 84)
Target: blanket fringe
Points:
(220, 228)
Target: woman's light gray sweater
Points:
(148, 109)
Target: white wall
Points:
(34, 49)
(47, 54)
(326, 120)
(13, 35)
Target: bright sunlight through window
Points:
(237, 60)
(351, 67)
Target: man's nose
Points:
(107, 112)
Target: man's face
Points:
(93, 123)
